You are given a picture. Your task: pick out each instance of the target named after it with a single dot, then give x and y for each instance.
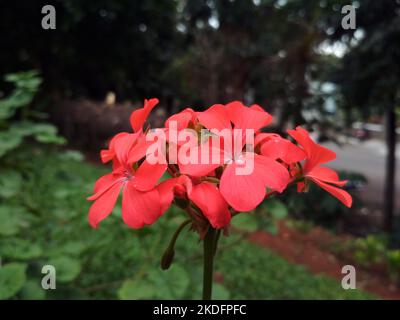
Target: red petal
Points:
(242, 192)
(247, 118)
(197, 170)
(273, 174)
(182, 118)
(147, 175)
(327, 175)
(186, 182)
(166, 191)
(104, 205)
(138, 149)
(316, 154)
(262, 137)
(279, 148)
(200, 167)
(301, 186)
(257, 107)
(207, 197)
(139, 117)
(123, 145)
(104, 183)
(215, 117)
(140, 208)
(340, 194)
(107, 155)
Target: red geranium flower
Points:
(242, 192)
(326, 178)
(272, 145)
(137, 119)
(205, 195)
(141, 201)
(243, 166)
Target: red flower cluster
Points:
(210, 191)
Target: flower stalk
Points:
(209, 245)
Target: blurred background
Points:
(66, 91)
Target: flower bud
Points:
(167, 258)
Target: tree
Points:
(262, 51)
(369, 75)
(97, 46)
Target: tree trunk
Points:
(389, 191)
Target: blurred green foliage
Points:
(374, 250)
(263, 275)
(369, 250)
(18, 122)
(393, 260)
(47, 224)
(301, 225)
(319, 207)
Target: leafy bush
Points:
(319, 207)
(47, 223)
(17, 121)
(393, 261)
(263, 275)
(301, 225)
(265, 217)
(370, 250)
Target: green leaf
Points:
(49, 138)
(64, 213)
(20, 249)
(67, 269)
(272, 228)
(72, 155)
(8, 142)
(12, 278)
(245, 221)
(20, 78)
(32, 291)
(157, 284)
(47, 133)
(136, 290)
(220, 292)
(10, 183)
(73, 248)
(13, 137)
(276, 208)
(23, 128)
(170, 284)
(26, 85)
(9, 221)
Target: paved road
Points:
(367, 158)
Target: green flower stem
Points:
(210, 244)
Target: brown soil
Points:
(313, 250)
